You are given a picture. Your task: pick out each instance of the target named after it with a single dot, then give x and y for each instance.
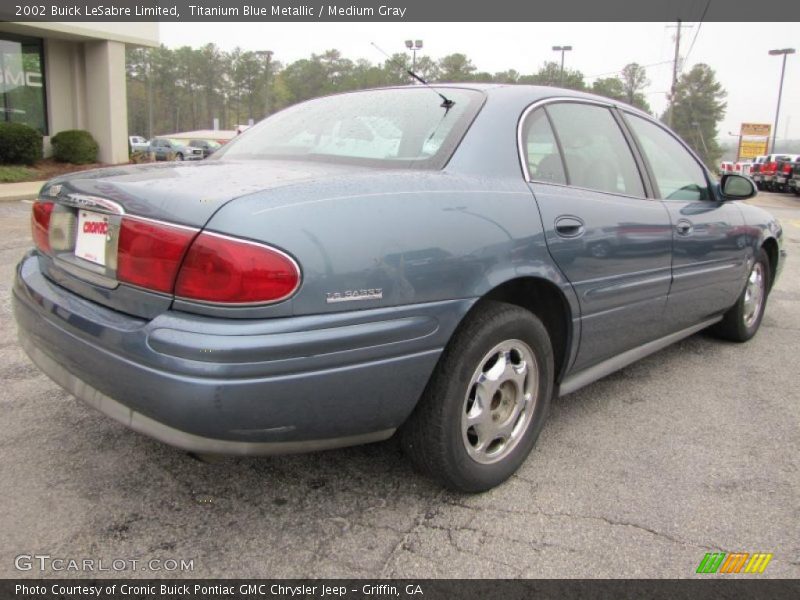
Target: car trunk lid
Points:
(100, 223)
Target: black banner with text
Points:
(335, 589)
(395, 10)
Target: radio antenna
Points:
(447, 104)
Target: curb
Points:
(13, 192)
(8, 199)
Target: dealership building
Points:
(57, 76)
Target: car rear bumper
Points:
(233, 386)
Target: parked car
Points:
(783, 171)
(743, 167)
(770, 176)
(755, 171)
(278, 298)
(793, 184)
(138, 144)
(174, 149)
(207, 146)
(725, 166)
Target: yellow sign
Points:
(756, 129)
(752, 148)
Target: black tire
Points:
(734, 325)
(434, 436)
(179, 156)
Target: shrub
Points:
(19, 144)
(74, 146)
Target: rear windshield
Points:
(399, 127)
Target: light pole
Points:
(562, 49)
(267, 56)
(738, 137)
(414, 45)
(782, 52)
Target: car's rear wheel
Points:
(179, 156)
(486, 402)
(743, 319)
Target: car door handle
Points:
(569, 226)
(684, 227)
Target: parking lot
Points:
(692, 450)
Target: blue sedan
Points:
(439, 261)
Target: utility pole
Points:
(675, 64)
(149, 70)
(267, 56)
(783, 52)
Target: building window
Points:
(22, 86)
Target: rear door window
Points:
(541, 151)
(596, 153)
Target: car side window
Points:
(541, 150)
(596, 152)
(678, 175)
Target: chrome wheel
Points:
(754, 295)
(500, 401)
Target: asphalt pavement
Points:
(691, 450)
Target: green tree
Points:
(427, 68)
(634, 82)
(550, 74)
(456, 67)
(510, 76)
(697, 108)
(394, 70)
(610, 87)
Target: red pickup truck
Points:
(783, 172)
(793, 184)
(773, 179)
(755, 171)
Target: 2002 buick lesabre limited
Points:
(442, 261)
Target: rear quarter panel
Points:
(416, 237)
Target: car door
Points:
(709, 237)
(609, 239)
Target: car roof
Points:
(515, 91)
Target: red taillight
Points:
(787, 169)
(149, 253)
(225, 270)
(40, 225)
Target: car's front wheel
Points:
(179, 156)
(486, 402)
(743, 319)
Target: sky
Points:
(738, 53)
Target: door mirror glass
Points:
(737, 187)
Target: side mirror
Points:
(736, 187)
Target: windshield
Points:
(399, 127)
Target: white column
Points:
(105, 98)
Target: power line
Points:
(696, 33)
(663, 62)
